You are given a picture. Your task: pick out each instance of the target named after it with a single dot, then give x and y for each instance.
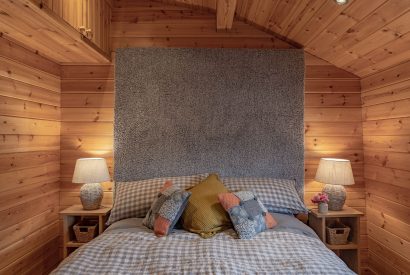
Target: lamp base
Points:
(337, 196)
(91, 195)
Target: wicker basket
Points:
(85, 230)
(337, 233)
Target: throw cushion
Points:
(278, 195)
(166, 209)
(248, 215)
(133, 199)
(204, 214)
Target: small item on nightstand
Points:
(91, 171)
(85, 230)
(335, 173)
(321, 199)
(337, 233)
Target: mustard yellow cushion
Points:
(204, 214)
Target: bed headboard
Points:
(238, 112)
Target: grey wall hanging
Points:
(238, 112)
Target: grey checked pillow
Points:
(277, 195)
(133, 199)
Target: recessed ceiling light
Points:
(341, 2)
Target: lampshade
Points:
(91, 170)
(335, 171)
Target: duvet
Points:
(127, 247)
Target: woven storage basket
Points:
(337, 233)
(85, 230)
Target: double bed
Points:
(128, 247)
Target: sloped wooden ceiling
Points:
(363, 36)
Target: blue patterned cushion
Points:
(133, 199)
(278, 195)
(248, 215)
(166, 209)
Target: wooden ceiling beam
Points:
(225, 12)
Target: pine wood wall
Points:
(332, 96)
(386, 138)
(29, 161)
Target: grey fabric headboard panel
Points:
(238, 112)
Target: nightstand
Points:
(349, 252)
(71, 216)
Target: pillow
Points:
(166, 209)
(133, 199)
(248, 215)
(204, 214)
(277, 195)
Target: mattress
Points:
(127, 247)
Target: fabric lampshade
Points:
(91, 170)
(335, 171)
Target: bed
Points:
(127, 247)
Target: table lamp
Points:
(91, 172)
(335, 173)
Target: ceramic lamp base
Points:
(91, 195)
(337, 196)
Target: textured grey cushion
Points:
(278, 195)
(134, 199)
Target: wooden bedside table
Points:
(349, 252)
(72, 215)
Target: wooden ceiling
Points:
(363, 37)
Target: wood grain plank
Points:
(225, 11)
(87, 114)
(87, 128)
(27, 126)
(332, 129)
(28, 143)
(196, 41)
(14, 70)
(18, 53)
(391, 208)
(400, 144)
(381, 219)
(332, 114)
(19, 90)
(87, 86)
(387, 175)
(395, 127)
(26, 210)
(387, 159)
(332, 100)
(392, 256)
(31, 242)
(87, 72)
(18, 161)
(44, 173)
(389, 240)
(46, 254)
(391, 76)
(395, 109)
(88, 100)
(332, 86)
(27, 109)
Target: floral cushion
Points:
(166, 209)
(248, 215)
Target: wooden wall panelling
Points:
(386, 137)
(225, 12)
(362, 37)
(29, 160)
(90, 17)
(333, 109)
(48, 34)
